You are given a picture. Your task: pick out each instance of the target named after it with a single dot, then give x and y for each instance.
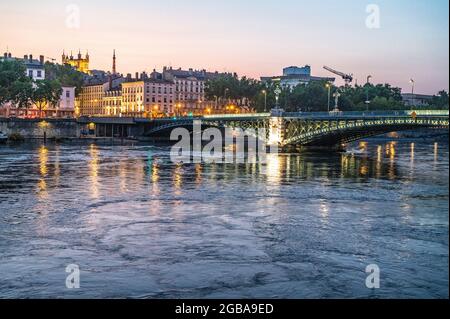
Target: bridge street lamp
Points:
(328, 86)
(367, 91)
(265, 100)
(277, 96)
(216, 99)
(412, 92)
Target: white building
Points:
(67, 100)
(34, 68)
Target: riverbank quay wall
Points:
(40, 128)
(72, 128)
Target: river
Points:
(300, 226)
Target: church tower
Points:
(114, 62)
(79, 63)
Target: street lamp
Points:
(412, 92)
(328, 86)
(216, 100)
(277, 96)
(265, 100)
(367, 91)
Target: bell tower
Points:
(114, 62)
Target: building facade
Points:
(133, 98)
(159, 97)
(90, 100)
(112, 103)
(148, 98)
(416, 99)
(189, 88)
(96, 95)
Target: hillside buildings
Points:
(35, 69)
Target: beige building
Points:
(95, 98)
(133, 98)
(112, 103)
(148, 98)
(90, 100)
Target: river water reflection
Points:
(299, 226)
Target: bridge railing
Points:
(244, 115)
(367, 114)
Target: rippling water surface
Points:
(300, 226)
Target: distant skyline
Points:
(253, 38)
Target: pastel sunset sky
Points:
(251, 37)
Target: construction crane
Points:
(51, 59)
(348, 78)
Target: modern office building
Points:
(293, 76)
(416, 99)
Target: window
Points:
(39, 73)
(30, 73)
(67, 93)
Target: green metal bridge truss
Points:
(315, 129)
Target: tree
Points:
(21, 93)
(15, 86)
(440, 101)
(65, 74)
(45, 93)
(230, 86)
